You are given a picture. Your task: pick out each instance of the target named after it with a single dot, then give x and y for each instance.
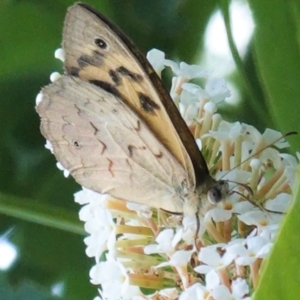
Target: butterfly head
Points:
(209, 194)
(218, 191)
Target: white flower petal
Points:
(60, 54)
(54, 76)
(156, 59)
(196, 291)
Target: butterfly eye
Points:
(100, 43)
(214, 195)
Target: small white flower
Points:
(99, 222)
(169, 293)
(199, 144)
(269, 233)
(62, 168)
(156, 59)
(141, 209)
(86, 196)
(221, 292)
(188, 111)
(38, 99)
(260, 219)
(212, 259)
(212, 280)
(270, 135)
(230, 205)
(49, 146)
(243, 207)
(196, 291)
(132, 293)
(179, 259)
(217, 89)
(240, 288)
(270, 154)
(54, 76)
(98, 242)
(189, 228)
(60, 54)
(228, 131)
(290, 170)
(164, 243)
(187, 71)
(257, 247)
(280, 203)
(113, 278)
(218, 214)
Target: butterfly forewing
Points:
(98, 52)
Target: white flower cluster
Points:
(144, 254)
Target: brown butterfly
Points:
(113, 125)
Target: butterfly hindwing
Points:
(86, 127)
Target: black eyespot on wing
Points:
(147, 104)
(106, 86)
(100, 43)
(131, 75)
(76, 144)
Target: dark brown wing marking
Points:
(147, 104)
(131, 75)
(106, 86)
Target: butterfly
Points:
(114, 126)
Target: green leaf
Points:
(278, 60)
(281, 279)
(40, 213)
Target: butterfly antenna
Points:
(197, 230)
(243, 196)
(245, 186)
(258, 152)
